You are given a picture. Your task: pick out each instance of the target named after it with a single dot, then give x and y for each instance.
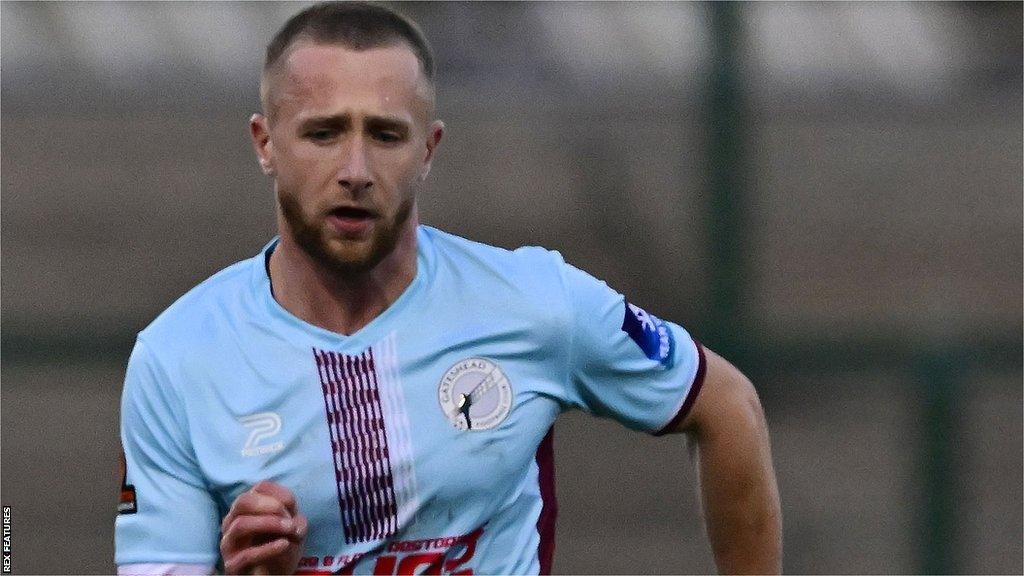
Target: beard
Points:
(346, 257)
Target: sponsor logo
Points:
(475, 394)
(650, 333)
(264, 425)
(446, 555)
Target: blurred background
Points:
(829, 194)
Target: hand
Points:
(263, 532)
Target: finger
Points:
(246, 529)
(274, 490)
(239, 562)
(254, 503)
(301, 528)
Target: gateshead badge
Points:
(475, 394)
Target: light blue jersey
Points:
(421, 443)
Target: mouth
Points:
(351, 220)
(352, 212)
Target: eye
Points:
(320, 135)
(388, 136)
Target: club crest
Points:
(475, 394)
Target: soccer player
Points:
(368, 394)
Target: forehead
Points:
(327, 79)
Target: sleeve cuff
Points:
(691, 394)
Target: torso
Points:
(411, 445)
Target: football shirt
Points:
(420, 443)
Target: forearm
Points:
(739, 494)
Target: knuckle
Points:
(244, 525)
(264, 487)
(244, 500)
(228, 520)
(236, 531)
(269, 504)
(227, 536)
(303, 526)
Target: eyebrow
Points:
(344, 119)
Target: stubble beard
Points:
(353, 257)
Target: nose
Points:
(354, 174)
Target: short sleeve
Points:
(166, 514)
(625, 363)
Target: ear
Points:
(259, 129)
(434, 133)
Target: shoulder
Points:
(533, 270)
(525, 284)
(526, 267)
(202, 312)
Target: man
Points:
(372, 395)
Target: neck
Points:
(341, 303)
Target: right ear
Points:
(259, 129)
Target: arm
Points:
(738, 490)
(162, 486)
(626, 364)
(161, 469)
(256, 539)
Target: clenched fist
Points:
(263, 532)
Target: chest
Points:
(425, 441)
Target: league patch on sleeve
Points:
(650, 333)
(126, 504)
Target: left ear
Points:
(434, 133)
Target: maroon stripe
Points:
(549, 507)
(383, 454)
(354, 411)
(374, 477)
(335, 426)
(372, 444)
(691, 395)
(355, 419)
(353, 492)
(368, 479)
(335, 447)
(340, 425)
(380, 445)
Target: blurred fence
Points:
(829, 194)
